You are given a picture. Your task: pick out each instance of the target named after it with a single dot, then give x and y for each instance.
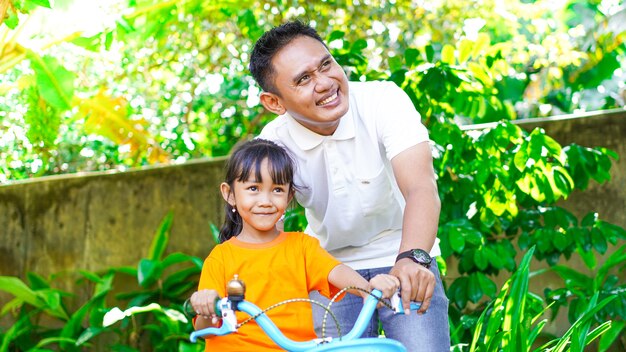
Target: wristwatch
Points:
(417, 255)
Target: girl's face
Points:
(260, 205)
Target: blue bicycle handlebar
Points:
(229, 323)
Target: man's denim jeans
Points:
(428, 332)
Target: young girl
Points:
(275, 265)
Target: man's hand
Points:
(417, 284)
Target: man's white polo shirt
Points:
(346, 184)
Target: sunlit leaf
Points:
(108, 117)
(465, 50)
(54, 82)
(43, 3)
(447, 54)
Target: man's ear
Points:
(227, 194)
(272, 103)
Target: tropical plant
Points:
(44, 319)
(163, 284)
(511, 322)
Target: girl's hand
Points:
(387, 284)
(203, 303)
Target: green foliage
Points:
(39, 300)
(603, 283)
(9, 12)
(165, 82)
(177, 88)
(44, 320)
(511, 322)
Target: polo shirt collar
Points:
(307, 139)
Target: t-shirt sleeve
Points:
(212, 275)
(319, 263)
(398, 123)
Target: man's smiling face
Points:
(310, 85)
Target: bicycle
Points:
(235, 300)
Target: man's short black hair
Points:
(269, 44)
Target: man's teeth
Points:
(328, 100)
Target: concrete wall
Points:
(98, 220)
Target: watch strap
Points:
(409, 254)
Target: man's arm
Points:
(413, 169)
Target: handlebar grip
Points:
(396, 303)
(413, 306)
(218, 308)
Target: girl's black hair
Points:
(246, 161)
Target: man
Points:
(365, 176)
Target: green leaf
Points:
(457, 241)
(447, 54)
(51, 340)
(176, 258)
(215, 233)
(587, 256)
(580, 326)
(614, 332)
(589, 219)
(516, 304)
(395, 63)
(161, 238)
(12, 20)
(598, 240)
(562, 180)
(358, 46)
(473, 236)
(18, 288)
(334, 35)
(487, 286)
(560, 240)
(572, 276)
(148, 272)
(482, 43)
(42, 3)
(520, 159)
(430, 52)
(88, 334)
(54, 83)
(495, 260)
(74, 326)
(474, 290)
(411, 57)
(465, 50)
(37, 282)
(92, 43)
(480, 259)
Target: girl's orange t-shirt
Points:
(290, 266)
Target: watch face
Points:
(421, 256)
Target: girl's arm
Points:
(343, 276)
